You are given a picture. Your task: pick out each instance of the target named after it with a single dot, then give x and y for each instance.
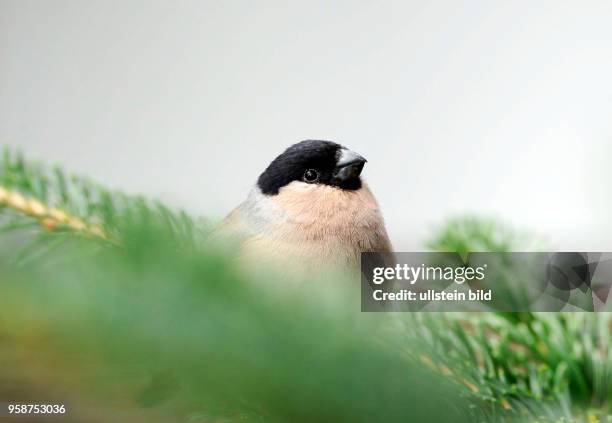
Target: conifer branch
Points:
(60, 201)
(49, 218)
(197, 323)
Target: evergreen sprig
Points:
(157, 325)
(31, 192)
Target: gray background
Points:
(496, 107)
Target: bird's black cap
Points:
(313, 161)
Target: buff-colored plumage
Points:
(308, 223)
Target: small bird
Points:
(310, 205)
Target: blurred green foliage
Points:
(152, 327)
(162, 326)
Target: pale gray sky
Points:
(495, 107)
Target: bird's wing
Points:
(251, 218)
(249, 227)
(232, 228)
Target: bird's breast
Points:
(318, 222)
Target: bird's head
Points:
(313, 162)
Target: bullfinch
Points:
(310, 205)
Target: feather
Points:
(308, 223)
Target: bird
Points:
(309, 206)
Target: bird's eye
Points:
(311, 176)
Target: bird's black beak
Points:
(348, 167)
